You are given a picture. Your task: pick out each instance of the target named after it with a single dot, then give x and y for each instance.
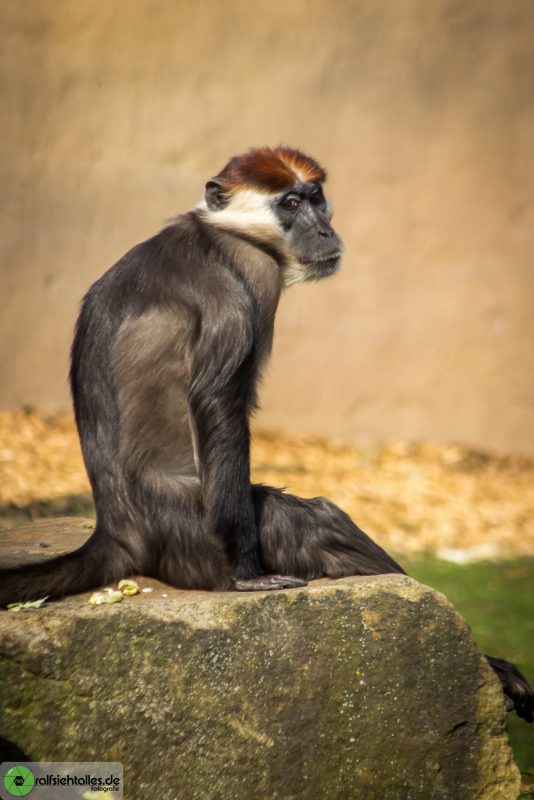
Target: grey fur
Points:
(168, 353)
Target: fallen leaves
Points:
(409, 497)
(28, 605)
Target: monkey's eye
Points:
(316, 198)
(291, 202)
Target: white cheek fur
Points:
(294, 272)
(250, 211)
(247, 209)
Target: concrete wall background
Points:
(115, 113)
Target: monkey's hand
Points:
(268, 583)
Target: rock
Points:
(357, 688)
(44, 539)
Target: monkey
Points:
(168, 353)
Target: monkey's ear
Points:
(216, 197)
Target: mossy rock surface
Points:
(358, 688)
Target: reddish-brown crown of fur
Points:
(270, 169)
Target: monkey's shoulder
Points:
(153, 271)
(188, 262)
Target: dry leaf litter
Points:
(445, 499)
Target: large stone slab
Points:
(358, 688)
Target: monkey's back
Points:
(140, 330)
(130, 364)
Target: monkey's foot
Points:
(267, 583)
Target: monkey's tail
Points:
(518, 693)
(94, 564)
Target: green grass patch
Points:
(497, 600)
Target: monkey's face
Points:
(304, 215)
(275, 194)
(299, 215)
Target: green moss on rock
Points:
(359, 688)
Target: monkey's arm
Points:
(221, 393)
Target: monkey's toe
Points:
(268, 583)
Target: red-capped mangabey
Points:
(169, 347)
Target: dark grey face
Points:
(305, 216)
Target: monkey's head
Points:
(278, 192)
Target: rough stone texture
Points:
(115, 114)
(359, 688)
(43, 539)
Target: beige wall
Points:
(114, 113)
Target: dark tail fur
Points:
(94, 564)
(518, 693)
